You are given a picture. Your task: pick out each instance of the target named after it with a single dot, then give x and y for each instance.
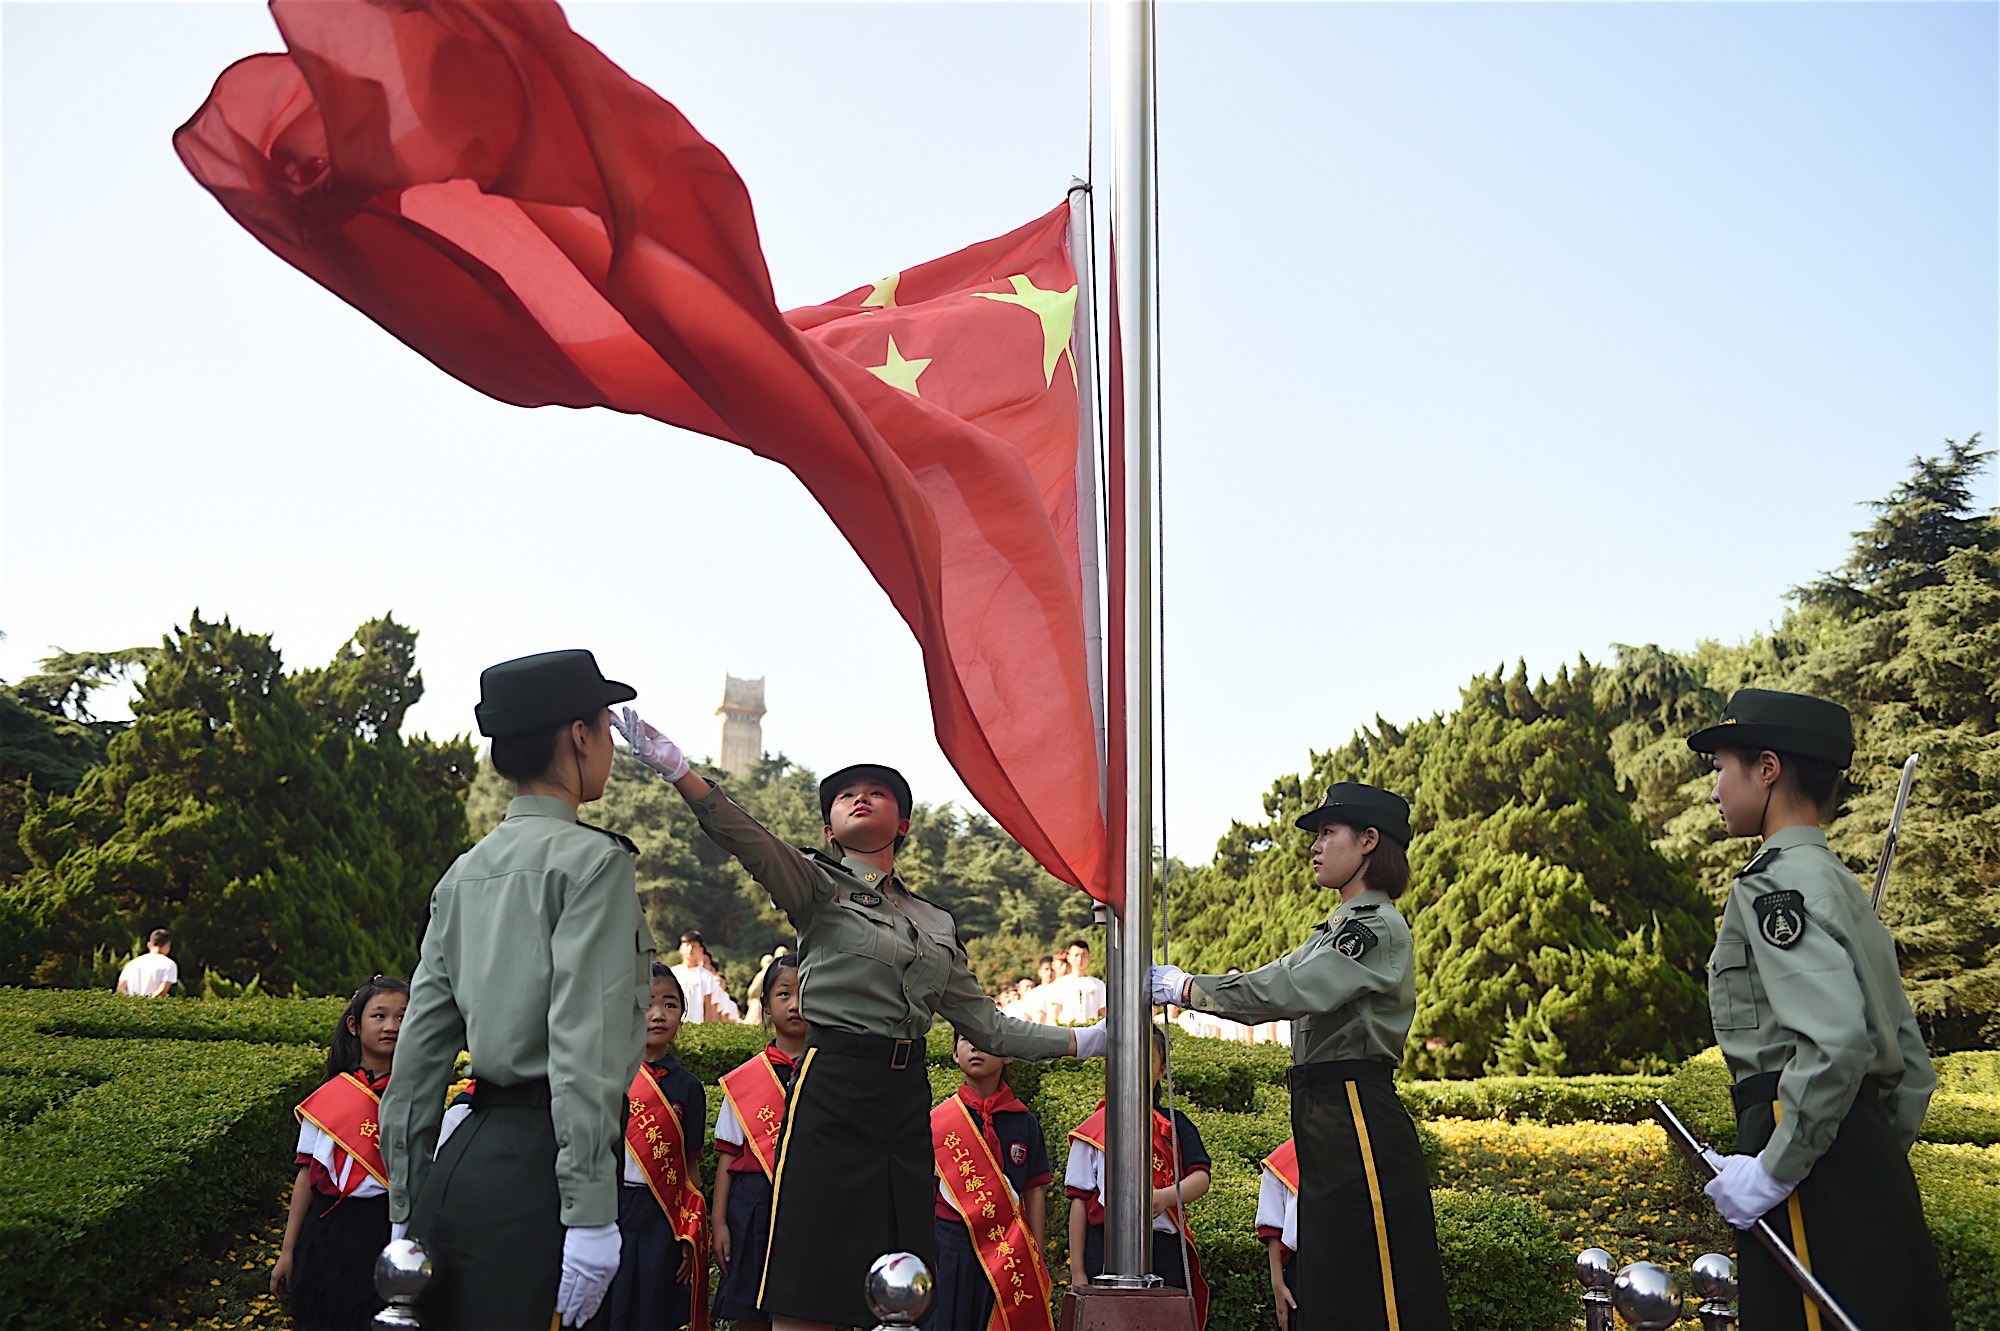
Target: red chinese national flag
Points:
(488, 187)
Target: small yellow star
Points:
(884, 294)
(898, 372)
(1056, 310)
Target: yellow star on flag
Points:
(1056, 310)
(884, 294)
(898, 372)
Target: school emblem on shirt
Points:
(1354, 939)
(864, 898)
(1017, 1153)
(1781, 917)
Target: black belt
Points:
(522, 1095)
(1318, 1076)
(881, 1050)
(1762, 1088)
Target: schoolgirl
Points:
(1175, 1140)
(754, 1094)
(662, 1280)
(339, 1217)
(1278, 1227)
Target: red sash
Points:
(1284, 1162)
(348, 1110)
(1008, 1253)
(653, 1138)
(758, 1098)
(1091, 1133)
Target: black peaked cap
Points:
(545, 689)
(1358, 805)
(1795, 723)
(889, 776)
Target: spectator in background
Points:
(153, 972)
(1084, 998)
(1045, 969)
(707, 997)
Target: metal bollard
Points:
(1645, 1297)
(1714, 1280)
(401, 1271)
(898, 1289)
(1594, 1272)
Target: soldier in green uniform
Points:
(1368, 1254)
(537, 958)
(1831, 1074)
(856, 1175)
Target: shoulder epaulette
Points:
(1366, 905)
(631, 847)
(1760, 861)
(822, 858)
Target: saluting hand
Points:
(649, 746)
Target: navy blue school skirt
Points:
(333, 1266)
(644, 1294)
(749, 1222)
(964, 1297)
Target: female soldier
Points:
(537, 958)
(1832, 1078)
(855, 1176)
(1368, 1255)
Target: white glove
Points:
(1168, 982)
(649, 746)
(398, 1229)
(1091, 1040)
(589, 1260)
(1743, 1191)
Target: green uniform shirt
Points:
(873, 958)
(1348, 990)
(538, 960)
(1803, 982)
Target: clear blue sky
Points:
(1490, 331)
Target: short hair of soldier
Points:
(1814, 778)
(662, 971)
(530, 754)
(1387, 867)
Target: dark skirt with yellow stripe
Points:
(1856, 1220)
(855, 1177)
(1368, 1254)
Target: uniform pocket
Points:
(1732, 998)
(852, 929)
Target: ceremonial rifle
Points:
(1678, 1133)
(1895, 827)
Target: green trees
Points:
(278, 823)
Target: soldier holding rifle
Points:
(1832, 1078)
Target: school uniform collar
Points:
(671, 1063)
(373, 1081)
(540, 806)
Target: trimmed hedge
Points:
(1596, 1099)
(97, 1014)
(1961, 1187)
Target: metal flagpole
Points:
(1128, 1102)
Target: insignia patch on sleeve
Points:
(1354, 939)
(864, 898)
(1781, 917)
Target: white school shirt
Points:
(698, 983)
(1082, 998)
(1084, 1171)
(1278, 1208)
(320, 1147)
(149, 975)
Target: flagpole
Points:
(1128, 1102)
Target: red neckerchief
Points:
(1002, 1101)
(779, 1058)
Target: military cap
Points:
(1357, 805)
(545, 689)
(1794, 723)
(888, 776)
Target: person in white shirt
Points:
(1083, 993)
(707, 998)
(153, 972)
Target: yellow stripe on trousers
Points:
(1798, 1219)
(1375, 1200)
(778, 1179)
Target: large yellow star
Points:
(884, 294)
(900, 373)
(1056, 310)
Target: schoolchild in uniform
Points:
(538, 960)
(1368, 1254)
(1832, 1078)
(748, 1131)
(1278, 1226)
(663, 1250)
(1084, 1181)
(984, 1125)
(879, 963)
(339, 1219)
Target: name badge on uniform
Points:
(1354, 939)
(1781, 917)
(864, 898)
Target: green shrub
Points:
(24, 1095)
(1506, 1266)
(1975, 1072)
(1969, 1118)
(1698, 1093)
(1594, 1099)
(109, 1016)
(1961, 1187)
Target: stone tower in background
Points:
(742, 714)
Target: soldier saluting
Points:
(537, 958)
(1832, 1079)
(1367, 1254)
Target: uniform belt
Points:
(521, 1095)
(1316, 1076)
(1762, 1088)
(881, 1050)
